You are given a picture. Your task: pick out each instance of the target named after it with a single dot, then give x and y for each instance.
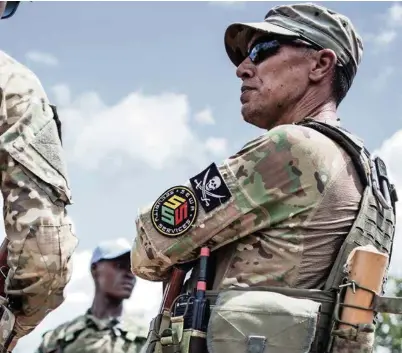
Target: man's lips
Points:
(245, 88)
(244, 92)
(127, 284)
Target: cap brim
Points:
(115, 255)
(237, 36)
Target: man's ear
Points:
(322, 65)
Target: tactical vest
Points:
(374, 224)
(248, 332)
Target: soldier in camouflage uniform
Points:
(103, 328)
(276, 213)
(278, 210)
(36, 191)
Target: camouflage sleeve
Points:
(272, 179)
(35, 192)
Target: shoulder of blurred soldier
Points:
(135, 325)
(51, 338)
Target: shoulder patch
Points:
(175, 211)
(210, 188)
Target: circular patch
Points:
(175, 211)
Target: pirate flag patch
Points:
(210, 188)
(175, 211)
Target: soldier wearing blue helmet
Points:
(104, 327)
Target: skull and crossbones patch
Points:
(210, 188)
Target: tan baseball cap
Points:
(310, 22)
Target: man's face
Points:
(273, 84)
(114, 277)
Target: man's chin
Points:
(249, 115)
(245, 112)
(255, 117)
(123, 294)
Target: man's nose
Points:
(130, 277)
(245, 69)
(128, 273)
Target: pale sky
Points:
(139, 85)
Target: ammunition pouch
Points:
(272, 319)
(262, 321)
(7, 322)
(180, 340)
(284, 320)
(167, 334)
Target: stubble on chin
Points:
(253, 116)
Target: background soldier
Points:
(35, 190)
(277, 212)
(103, 328)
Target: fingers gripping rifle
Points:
(7, 318)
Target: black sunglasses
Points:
(11, 8)
(264, 48)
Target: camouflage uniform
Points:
(35, 190)
(88, 334)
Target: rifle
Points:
(201, 307)
(161, 322)
(172, 289)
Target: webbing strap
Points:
(353, 146)
(324, 297)
(327, 298)
(390, 305)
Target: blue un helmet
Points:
(9, 8)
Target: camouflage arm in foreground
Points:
(276, 178)
(35, 192)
